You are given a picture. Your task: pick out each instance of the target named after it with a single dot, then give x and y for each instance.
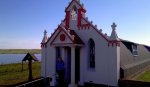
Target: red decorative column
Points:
(67, 19)
(79, 17)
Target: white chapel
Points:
(89, 55)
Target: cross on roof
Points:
(114, 26)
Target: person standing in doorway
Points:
(60, 69)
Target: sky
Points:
(22, 22)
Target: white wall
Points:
(107, 59)
(43, 62)
(114, 65)
(48, 60)
(50, 64)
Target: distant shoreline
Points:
(20, 51)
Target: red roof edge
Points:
(96, 30)
(109, 41)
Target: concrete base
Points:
(72, 85)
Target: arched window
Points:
(91, 53)
(74, 13)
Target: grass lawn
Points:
(144, 76)
(12, 73)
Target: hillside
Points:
(19, 51)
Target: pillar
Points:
(72, 84)
(82, 65)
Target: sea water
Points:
(14, 58)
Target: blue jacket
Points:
(59, 65)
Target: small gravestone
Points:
(29, 57)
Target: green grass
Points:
(12, 73)
(19, 51)
(144, 76)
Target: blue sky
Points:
(22, 22)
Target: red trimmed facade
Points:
(84, 50)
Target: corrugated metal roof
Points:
(130, 63)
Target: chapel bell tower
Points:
(74, 13)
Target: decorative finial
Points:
(45, 37)
(114, 35)
(95, 26)
(45, 32)
(101, 30)
(113, 26)
(73, 37)
(68, 31)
